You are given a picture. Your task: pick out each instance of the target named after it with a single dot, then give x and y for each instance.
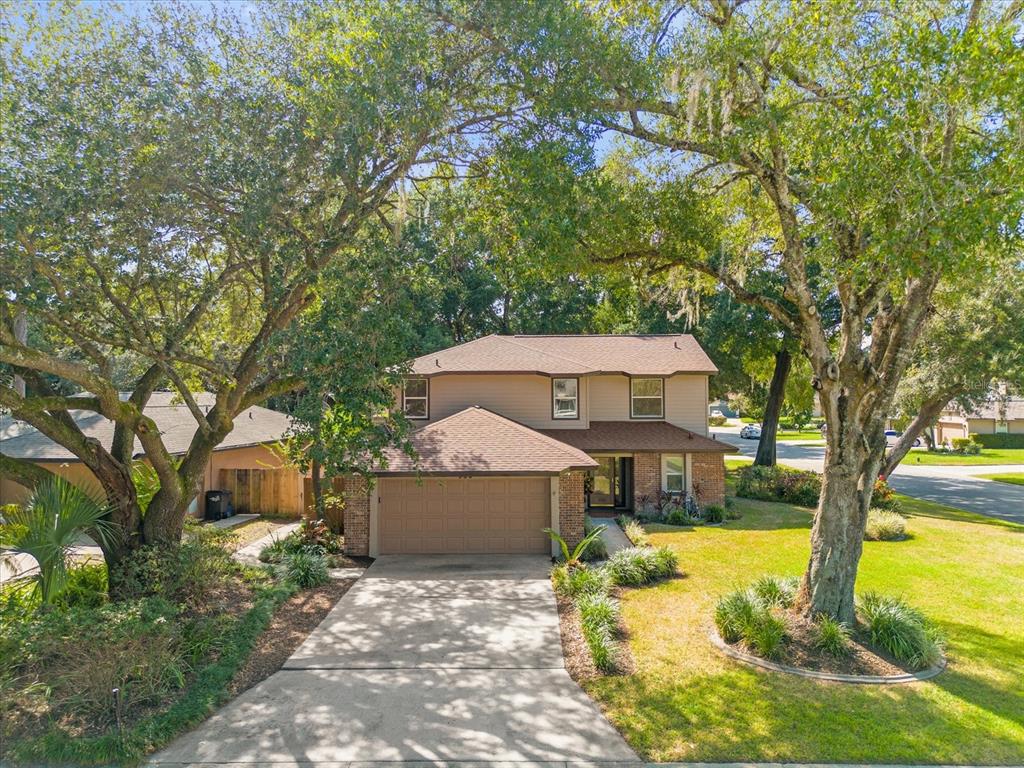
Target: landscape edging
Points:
(834, 677)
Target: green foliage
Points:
(146, 482)
(1000, 440)
(901, 630)
(575, 557)
(831, 636)
(634, 531)
(717, 421)
(597, 550)
(599, 621)
(884, 497)
(714, 513)
(316, 533)
(779, 483)
(775, 591)
(576, 582)
(742, 616)
(884, 525)
(86, 587)
(306, 568)
(637, 566)
(50, 524)
(966, 446)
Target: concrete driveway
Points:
(427, 659)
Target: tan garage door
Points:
(464, 514)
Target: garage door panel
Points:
(474, 515)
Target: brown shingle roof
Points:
(642, 355)
(638, 436)
(477, 441)
(253, 426)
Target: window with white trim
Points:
(646, 398)
(673, 474)
(565, 402)
(415, 399)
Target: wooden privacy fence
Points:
(264, 491)
(333, 508)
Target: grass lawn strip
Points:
(1013, 478)
(987, 456)
(688, 702)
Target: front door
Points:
(610, 480)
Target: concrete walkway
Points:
(426, 660)
(613, 537)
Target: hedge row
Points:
(1001, 440)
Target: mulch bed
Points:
(292, 623)
(864, 659)
(578, 661)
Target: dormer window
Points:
(646, 398)
(565, 400)
(415, 399)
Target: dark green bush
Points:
(87, 586)
(714, 513)
(1000, 440)
(901, 630)
(779, 484)
(832, 636)
(185, 574)
(306, 568)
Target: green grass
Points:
(1013, 478)
(808, 434)
(688, 702)
(987, 456)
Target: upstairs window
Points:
(415, 399)
(565, 398)
(646, 398)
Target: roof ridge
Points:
(511, 340)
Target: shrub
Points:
(576, 582)
(317, 533)
(884, 497)
(87, 586)
(185, 574)
(306, 568)
(717, 421)
(1000, 440)
(678, 516)
(779, 484)
(599, 615)
(714, 513)
(634, 531)
(775, 591)
(597, 549)
(831, 636)
(574, 557)
(743, 616)
(884, 525)
(966, 445)
(901, 630)
(734, 613)
(641, 565)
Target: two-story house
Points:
(519, 433)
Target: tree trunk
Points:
(21, 336)
(926, 416)
(318, 490)
(773, 409)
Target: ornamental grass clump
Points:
(599, 621)
(831, 636)
(636, 566)
(901, 630)
(754, 616)
(776, 591)
(306, 568)
(574, 583)
(634, 531)
(884, 525)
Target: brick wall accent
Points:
(356, 492)
(709, 478)
(646, 477)
(571, 507)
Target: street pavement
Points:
(954, 486)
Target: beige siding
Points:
(981, 426)
(77, 473)
(521, 397)
(1016, 426)
(686, 400)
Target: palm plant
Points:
(574, 558)
(48, 526)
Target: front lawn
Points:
(688, 702)
(1013, 478)
(808, 434)
(987, 456)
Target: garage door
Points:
(464, 514)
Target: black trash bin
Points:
(218, 505)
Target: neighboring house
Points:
(519, 433)
(244, 462)
(996, 417)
